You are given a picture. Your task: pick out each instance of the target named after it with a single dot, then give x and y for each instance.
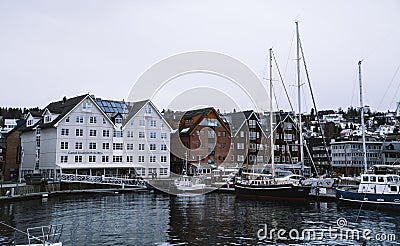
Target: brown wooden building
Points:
(202, 140)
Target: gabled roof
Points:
(202, 114)
(135, 107)
(62, 108)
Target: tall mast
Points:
(299, 98)
(362, 118)
(271, 137)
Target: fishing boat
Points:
(378, 190)
(266, 186)
(189, 183)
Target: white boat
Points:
(189, 183)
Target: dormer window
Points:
(29, 123)
(47, 118)
(118, 120)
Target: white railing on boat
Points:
(77, 178)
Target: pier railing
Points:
(76, 178)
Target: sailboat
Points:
(378, 190)
(265, 186)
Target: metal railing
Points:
(77, 178)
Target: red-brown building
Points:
(202, 140)
(13, 155)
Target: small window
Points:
(393, 188)
(372, 179)
(365, 178)
(118, 120)
(381, 179)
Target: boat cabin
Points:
(379, 184)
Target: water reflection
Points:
(218, 219)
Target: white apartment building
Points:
(347, 156)
(87, 135)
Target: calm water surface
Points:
(146, 218)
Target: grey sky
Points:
(51, 49)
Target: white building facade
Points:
(78, 136)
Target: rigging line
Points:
(313, 98)
(394, 98)
(387, 89)
(283, 83)
(290, 51)
(354, 89)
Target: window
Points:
(78, 158)
(47, 118)
(153, 171)
(92, 120)
(240, 157)
(153, 135)
(117, 146)
(79, 119)
(163, 147)
(152, 146)
(141, 134)
(79, 132)
(129, 158)
(29, 123)
(152, 158)
(92, 146)
(37, 141)
(153, 123)
(104, 121)
(78, 145)
(106, 133)
(148, 110)
(163, 171)
(141, 146)
(141, 158)
(64, 159)
(252, 123)
(64, 145)
(240, 145)
(92, 133)
(242, 134)
(129, 134)
(117, 158)
(118, 120)
(141, 171)
(86, 105)
(106, 145)
(67, 119)
(64, 132)
(92, 158)
(142, 122)
(163, 135)
(163, 158)
(117, 134)
(105, 158)
(129, 146)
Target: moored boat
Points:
(378, 191)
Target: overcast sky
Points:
(51, 49)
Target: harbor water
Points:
(151, 218)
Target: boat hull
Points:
(287, 192)
(370, 200)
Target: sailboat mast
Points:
(299, 98)
(271, 137)
(362, 119)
